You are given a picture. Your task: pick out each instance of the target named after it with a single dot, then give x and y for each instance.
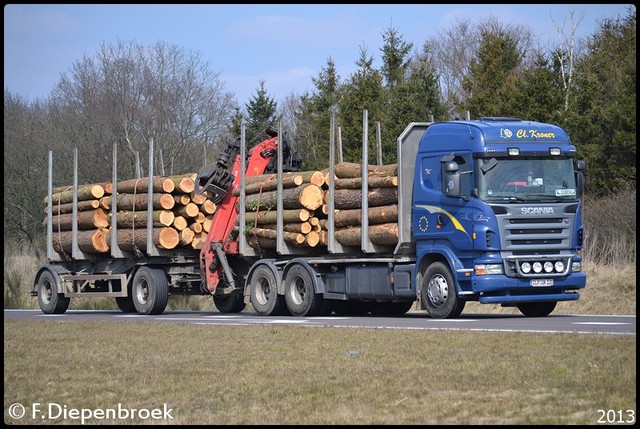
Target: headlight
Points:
(559, 266)
(525, 267)
(483, 270)
(537, 267)
(576, 267)
(548, 266)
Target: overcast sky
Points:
(284, 45)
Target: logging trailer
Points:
(484, 210)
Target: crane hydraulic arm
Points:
(218, 183)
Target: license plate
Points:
(542, 282)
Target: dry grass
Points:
(294, 375)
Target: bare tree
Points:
(129, 93)
(452, 50)
(566, 52)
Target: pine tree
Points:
(261, 113)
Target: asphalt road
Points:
(554, 323)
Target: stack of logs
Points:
(306, 207)
(182, 218)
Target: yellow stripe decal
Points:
(456, 223)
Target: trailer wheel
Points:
(537, 309)
(300, 294)
(125, 304)
(233, 303)
(263, 292)
(150, 290)
(51, 302)
(438, 293)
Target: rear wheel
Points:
(263, 292)
(233, 303)
(438, 293)
(300, 294)
(150, 291)
(537, 309)
(50, 301)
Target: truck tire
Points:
(150, 290)
(50, 301)
(537, 309)
(263, 291)
(233, 303)
(438, 293)
(299, 292)
(125, 304)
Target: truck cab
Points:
(496, 216)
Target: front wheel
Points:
(150, 290)
(51, 302)
(438, 293)
(537, 309)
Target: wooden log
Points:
(382, 234)
(372, 182)
(208, 207)
(162, 185)
(85, 192)
(139, 201)
(186, 236)
(206, 224)
(312, 239)
(308, 196)
(182, 199)
(89, 241)
(90, 219)
(196, 227)
(290, 181)
(105, 202)
(132, 239)
(180, 223)
(376, 215)
(183, 183)
(188, 211)
(299, 228)
(200, 217)
(352, 198)
(68, 208)
(315, 177)
(289, 237)
(198, 240)
(266, 217)
(198, 198)
(260, 243)
(345, 170)
(129, 219)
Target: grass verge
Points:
(295, 375)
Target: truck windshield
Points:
(526, 179)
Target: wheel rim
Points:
(438, 290)
(298, 291)
(262, 291)
(142, 292)
(47, 292)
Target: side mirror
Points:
(580, 168)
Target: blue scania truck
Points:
(487, 210)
